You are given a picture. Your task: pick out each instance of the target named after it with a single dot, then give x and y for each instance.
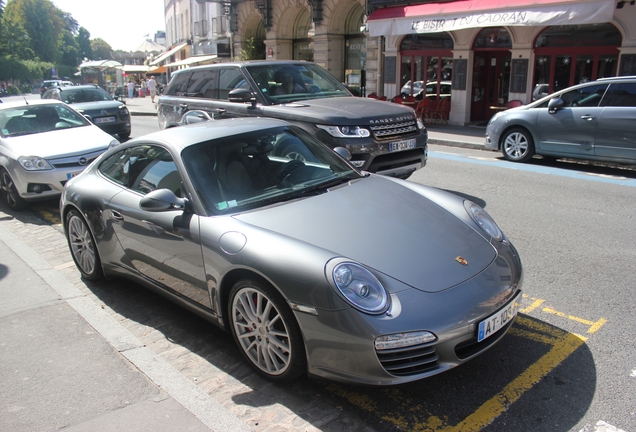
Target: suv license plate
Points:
(402, 145)
(494, 322)
(104, 120)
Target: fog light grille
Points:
(407, 361)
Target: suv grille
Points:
(407, 361)
(392, 129)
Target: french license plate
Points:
(402, 145)
(72, 174)
(494, 322)
(104, 120)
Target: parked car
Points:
(47, 84)
(540, 91)
(592, 121)
(383, 138)
(92, 101)
(430, 89)
(42, 145)
(312, 265)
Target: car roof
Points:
(80, 87)
(245, 63)
(183, 136)
(618, 78)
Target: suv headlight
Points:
(484, 220)
(346, 131)
(360, 288)
(34, 163)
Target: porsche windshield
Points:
(291, 82)
(262, 168)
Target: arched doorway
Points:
(355, 51)
(569, 55)
(302, 45)
(427, 65)
(491, 73)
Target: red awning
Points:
(461, 14)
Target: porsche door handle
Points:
(116, 216)
(587, 117)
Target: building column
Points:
(373, 66)
(329, 52)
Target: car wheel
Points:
(9, 192)
(265, 329)
(296, 152)
(83, 247)
(518, 145)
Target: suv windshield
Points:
(294, 82)
(261, 168)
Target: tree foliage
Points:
(253, 49)
(101, 49)
(36, 37)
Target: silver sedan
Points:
(313, 266)
(43, 144)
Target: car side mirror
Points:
(241, 96)
(555, 104)
(162, 200)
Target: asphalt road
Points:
(567, 364)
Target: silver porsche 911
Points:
(314, 267)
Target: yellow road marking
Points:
(492, 408)
(594, 326)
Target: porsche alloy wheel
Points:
(82, 245)
(518, 145)
(266, 330)
(9, 192)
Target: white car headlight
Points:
(346, 131)
(34, 163)
(484, 220)
(360, 288)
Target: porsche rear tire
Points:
(266, 331)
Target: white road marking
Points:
(601, 426)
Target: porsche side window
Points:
(116, 167)
(155, 169)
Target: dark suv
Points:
(382, 137)
(95, 103)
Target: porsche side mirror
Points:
(162, 200)
(343, 153)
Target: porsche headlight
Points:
(346, 131)
(361, 288)
(484, 220)
(34, 163)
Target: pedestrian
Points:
(131, 89)
(151, 85)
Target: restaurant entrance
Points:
(491, 84)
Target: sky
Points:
(123, 24)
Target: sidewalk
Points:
(67, 364)
(449, 135)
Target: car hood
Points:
(340, 111)
(386, 226)
(111, 107)
(72, 141)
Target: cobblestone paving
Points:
(200, 351)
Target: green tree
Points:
(69, 49)
(15, 42)
(101, 49)
(253, 49)
(40, 20)
(84, 42)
